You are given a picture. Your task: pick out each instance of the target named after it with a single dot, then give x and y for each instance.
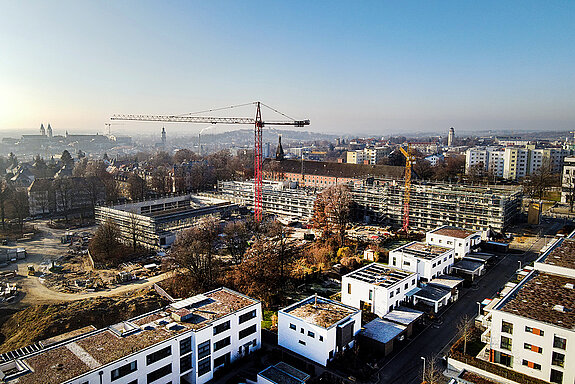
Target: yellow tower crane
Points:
(409, 161)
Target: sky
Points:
(351, 67)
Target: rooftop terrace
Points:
(379, 274)
(76, 357)
(424, 251)
(546, 298)
(320, 311)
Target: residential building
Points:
(461, 240)
(532, 329)
(155, 223)
(428, 261)
(282, 373)
(568, 180)
(185, 342)
(368, 155)
(377, 288)
(318, 328)
(435, 159)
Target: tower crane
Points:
(409, 161)
(258, 124)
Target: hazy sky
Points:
(377, 67)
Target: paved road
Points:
(406, 367)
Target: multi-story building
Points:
(155, 223)
(368, 155)
(459, 239)
(428, 261)
(185, 342)
(377, 288)
(515, 163)
(318, 328)
(532, 329)
(568, 180)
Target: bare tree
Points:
(465, 329)
(432, 373)
(135, 227)
(106, 240)
(20, 208)
(236, 240)
(332, 211)
(137, 187)
(541, 180)
(5, 194)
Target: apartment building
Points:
(532, 329)
(367, 155)
(155, 223)
(459, 239)
(428, 261)
(568, 179)
(377, 288)
(185, 342)
(318, 328)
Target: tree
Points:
(40, 167)
(135, 227)
(236, 240)
(432, 373)
(465, 330)
(541, 180)
(423, 169)
(137, 187)
(12, 160)
(20, 209)
(184, 155)
(5, 194)
(332, 209)
(67, 159)
(194, 251)
(161, 180)
(277, 236)
(63, 189)
(106, 240)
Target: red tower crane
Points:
(258, 124)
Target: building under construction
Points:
(381, 201)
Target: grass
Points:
(267, 319)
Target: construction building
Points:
(155, 223)
(381, 201)
(318, 328)
(531, 330)
(185, 342)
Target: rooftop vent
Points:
(569, 285)
(559, 308)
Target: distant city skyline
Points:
(367, 68)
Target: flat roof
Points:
(403, 315)
(382, 330)
(445, 281)
(380, 274)
(563, 255)
(546, 298)
(81, 355)
(467, 265)
(320, 311)
(432, 293)
(283, 373)
(459, 233)
(423, 250)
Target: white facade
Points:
(377, 288)
(427, 261)
(179, 352)
(434, 159)
(568, 179)
(462, 241)
(308, 329)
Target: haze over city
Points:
(362, 68)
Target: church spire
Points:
(280, 150)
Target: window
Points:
(407, 263)
(292, 326)
(223, 359)
(185, 345)
(247, 331)
(124, 370)
(221, 327)
(506, 327)
(301, 342)
(559, 342)
(394, 261)
(311, 334)
(406, 285)
(531, 364)
(505, 343)
(321, 338)
(533, 348)
(222, 343)
(556, 376)
(131, 382)
(558, 359)
(301, 330)
(397, 290)
(204, 366)
(185, 363)
(413, 282)
(348, 288)
(158, 373)
(390, 294)
(370, 294)
(534, 331)
(158, 355)
(247, 316)
(204, 349)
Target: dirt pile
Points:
(40, 322)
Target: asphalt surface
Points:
(406, 367)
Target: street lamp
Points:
(519, 261)
(423, 374)
(479, 308)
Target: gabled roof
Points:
(324, 168)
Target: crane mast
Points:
(409, 161)
(258, 124)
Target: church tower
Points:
(164, 136)
(42, 130)
(280, 150)
(49, 131)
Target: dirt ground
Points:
(41, 251)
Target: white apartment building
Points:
(532, 329)
(515, 163)
(318, 328)
(366, 156)
(377, 288)
(182, 343)
(434, 160)
(428, 261)
(568, 179)
(461, 240)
